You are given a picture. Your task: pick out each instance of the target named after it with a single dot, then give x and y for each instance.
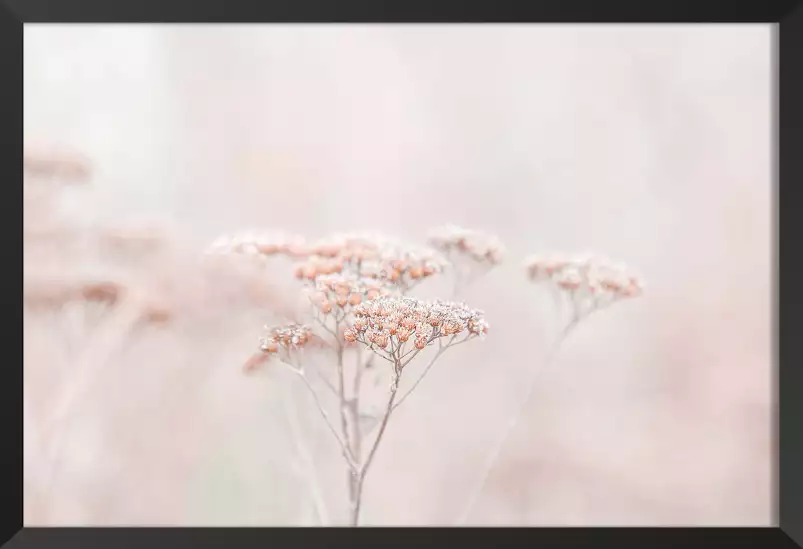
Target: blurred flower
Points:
(476, 245)
(345, 291)
(395, 261)
(259, 245)
(283, 342)
(593, 282)
(59, 165)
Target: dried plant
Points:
(472, 253)
(101, 289)
(395, 329)
(355, 284)
(586, 283)
(358, 316)
(401, 264)
(589, 283)
(259, 245)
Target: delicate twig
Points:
(344, 423)
(355, 515)
(326, 382)
(421, 377)
(303, 450)
(346, 452)
(511, 425)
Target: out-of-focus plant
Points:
(472, 253)
(94, 290)
(581, 285)
(358, 286)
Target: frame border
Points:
(788, 50)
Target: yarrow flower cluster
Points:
(592, 281)
(476, 245)
(373, 256)
(286, 338)
(316, 265)
(259, 245)
(355, 247)
(392, 321)
(345, 290)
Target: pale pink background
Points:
(650, 143)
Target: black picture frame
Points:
(788, 15)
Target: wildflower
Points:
(345, 290)
(593, 282)
(282, 342)
(289, 336)
(391, 261)
(475, 245)
(315, 266)
(259, 245)
(394, 320)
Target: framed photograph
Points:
(358, 273)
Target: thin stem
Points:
(319, 504)
(322, 322)
(355, 514)
(93, 357)
(346, 453)
(511, 425)
(342, 408)
(326, 382)
(441, 350)
(355, 405)
(353, 410)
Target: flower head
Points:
(389, 322)
(592, 281)
(289, 336)
(259, 245)
(475, 245)
(372, 256)
(345, 291)
(283, 342)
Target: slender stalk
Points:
(96, 354)
(348, 424)
(493, 457)
(351, 412)
(319, 505)
(355, 509)
(421, 377)
(354, 408)
(343, 447)
(441, 350)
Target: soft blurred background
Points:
(649, 143)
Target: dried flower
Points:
(593, 282)
(259, 245)
(371, 256)
(315, 266)
(476, 245)
(345, 290)
(283, 341)
(393, 320)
